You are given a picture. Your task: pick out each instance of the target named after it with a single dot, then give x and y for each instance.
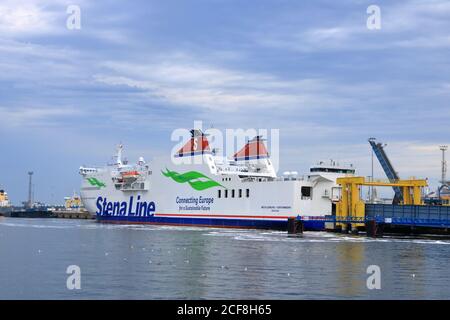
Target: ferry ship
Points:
(243, 191)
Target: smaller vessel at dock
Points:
(73, 209)
(73, 202)
(5, 204)
(30, 208)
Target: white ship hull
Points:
(203, 195)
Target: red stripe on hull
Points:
(219, 216)
(177, 224)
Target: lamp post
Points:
(444, 165)
(30, 189)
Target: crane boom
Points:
(388, 169)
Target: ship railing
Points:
(227, 168)
(337, 219)
(296, 178)
(92, 170)
(134, 186)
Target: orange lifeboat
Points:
(130, 174)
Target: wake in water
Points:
(236, 234)
(311, 236)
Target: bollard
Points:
(346, 227)
(294, 226)
(374, 229)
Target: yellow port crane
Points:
(352, 208)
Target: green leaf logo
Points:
(196, 180)
(94, 182)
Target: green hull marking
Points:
(94, 182)
(195, 179)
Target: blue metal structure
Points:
(387, 167)
(398, 215)
(409, 215)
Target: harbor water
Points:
(161, 262)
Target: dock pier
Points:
(406, 215)
(72, 214)
(380, 219)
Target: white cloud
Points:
(425, 42)
(186, 82)
(20, 49)
(25, 19)
(34, 116)
(411, 24)
(31, 17)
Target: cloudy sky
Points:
(137, 70)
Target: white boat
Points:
(243, 191)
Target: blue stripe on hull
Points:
(317, 225)
(212, 222)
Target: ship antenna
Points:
(119, 154)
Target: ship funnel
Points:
(255, 154)
(198, 133)
(197, 145)
(253, 150)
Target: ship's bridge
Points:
(332, 166)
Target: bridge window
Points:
(219, 193)
(240, 193)
(247, 193)
(232, 193)
(226, 193)
(306, 192)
